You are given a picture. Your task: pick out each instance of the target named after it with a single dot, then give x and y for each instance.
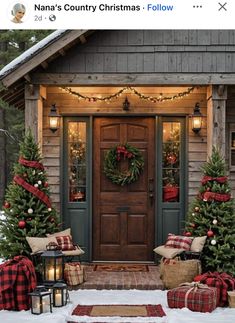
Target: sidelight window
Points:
(77, 147)
(171, 161)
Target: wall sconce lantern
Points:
(54, 118)
(126, 105)
(60, 294)
(196, 119)
(41, 301)
(53, 265)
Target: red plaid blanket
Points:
(17, 279)
(222, 281)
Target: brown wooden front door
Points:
(123, 216)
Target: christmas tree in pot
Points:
(27, 206)
(212, 214)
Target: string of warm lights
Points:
(154, 99)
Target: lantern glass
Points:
(54, 118)
(54, 123)
(60, 294)
(53, 266)
(41, 301)
(196, 123)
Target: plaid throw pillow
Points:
(65, 243)
(179, 242)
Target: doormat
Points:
(119, 310)
(121, 268)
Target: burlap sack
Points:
(174, 272)
(74, 273)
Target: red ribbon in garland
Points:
(220, 180)
(34, 190)
(30, 163)
(209, 196)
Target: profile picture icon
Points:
(18, 12)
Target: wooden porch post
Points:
(216, 113)
(34, 95)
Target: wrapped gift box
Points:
(196, 297)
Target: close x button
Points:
(222, 6)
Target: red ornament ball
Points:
(46, 184)
(21, 224)
(188, 234)
(6, 205)
(171, 158)
(210, 233)
(196, 209)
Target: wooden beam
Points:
(44, 65)
(41, 56)
(82, 39)
(216, 116)
(132, 79)
(27, 77)
(62, 52)
(34, 113)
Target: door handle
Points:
(151, 190)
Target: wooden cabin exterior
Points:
(165, 73)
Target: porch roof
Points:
(14, 75)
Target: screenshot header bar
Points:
(117, 14)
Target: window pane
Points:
(171, 161)
(77, 145)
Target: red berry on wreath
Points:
(46, 184)
(188, 234)
(21, 224)
(210, 233)
(6, 205)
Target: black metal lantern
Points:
(53, 266)
(60, 294)
(196, 119)
(126, 105)
(54, 118)
(41, 301)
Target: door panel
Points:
(123, 217)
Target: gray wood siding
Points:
(151, 51)
(70, 106)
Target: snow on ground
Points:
(90, 297)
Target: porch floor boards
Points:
(144, 280)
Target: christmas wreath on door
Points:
(135, 164)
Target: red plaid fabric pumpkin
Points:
(65, 243)
(198, 298)
(179, 242)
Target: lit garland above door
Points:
(108, 98)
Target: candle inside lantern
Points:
(52, 272)
(58, 299)
(36, 305)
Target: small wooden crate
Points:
(231, 299)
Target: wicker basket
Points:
(231, 299)
(175, 272)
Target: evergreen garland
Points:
(115, 155)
